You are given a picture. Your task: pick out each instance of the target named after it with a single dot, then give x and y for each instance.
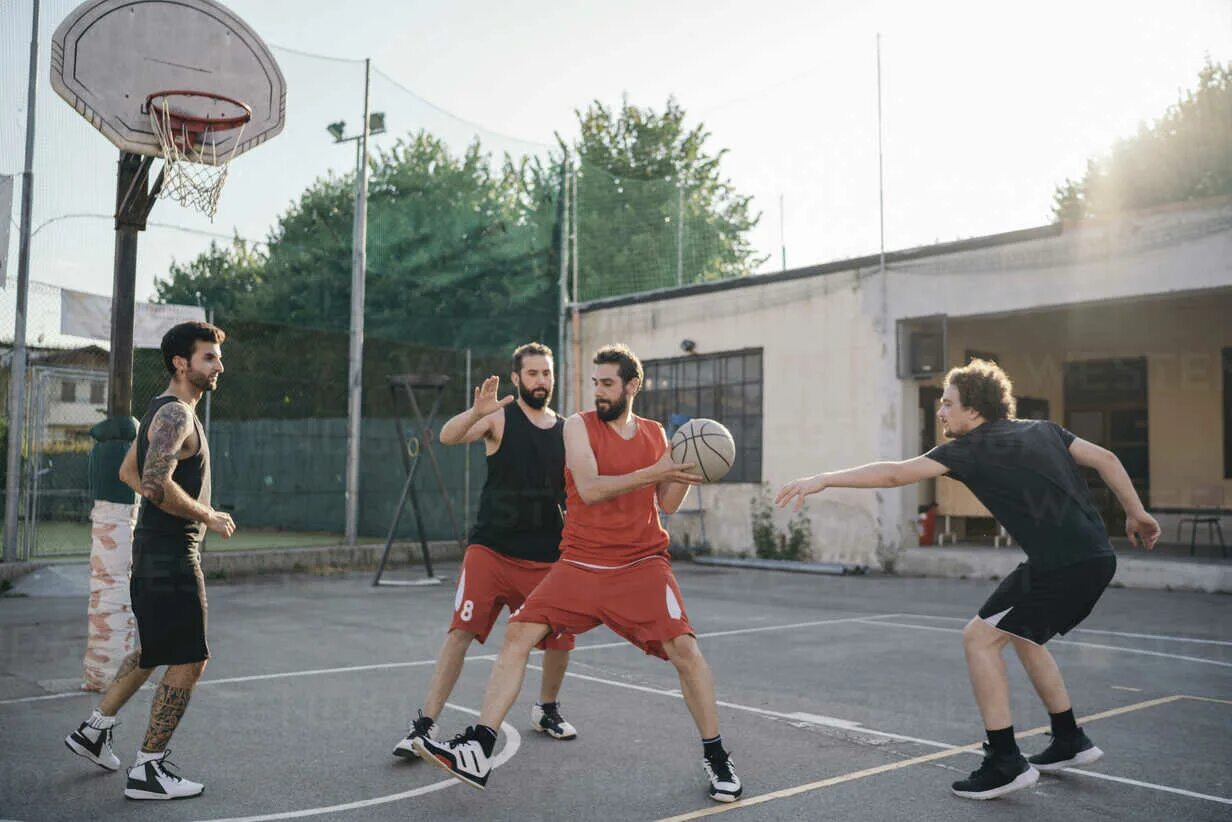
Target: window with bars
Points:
(98, 393)
(68, 391)
(726, 387)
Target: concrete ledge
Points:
(11, 571)
(230, 564)
(832, 568)
(1132, 571)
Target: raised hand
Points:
(486, 400)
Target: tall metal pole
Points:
(17, 372)
(782, 233)
(880, 170)
(679, 234)
(576, 324)
(562, 335)
(355, 385)
(466, 452)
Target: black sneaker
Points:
(423, 726)
(724, 784)
(549, 721)
(462, 756)
(998, 775)
(1066, 752)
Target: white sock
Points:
(144, 757)
(96, 724)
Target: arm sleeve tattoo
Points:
(169, 429)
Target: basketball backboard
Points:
(109, 56)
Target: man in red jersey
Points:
(613, 570)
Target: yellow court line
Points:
(919, 760)
(1209, 699)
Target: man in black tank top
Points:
(1026, 472)
(169, 466)
(516, 536)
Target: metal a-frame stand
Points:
(402, 387)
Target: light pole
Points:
(372, 124)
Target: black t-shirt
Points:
(1023, 473)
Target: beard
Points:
(202, 382)
(611, 411)
(536, 398)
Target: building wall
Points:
(833, 397)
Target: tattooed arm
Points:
(169, 430)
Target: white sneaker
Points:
(92, 740)
(550, 722)
(154, 780)
(423, 726)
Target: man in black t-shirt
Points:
(1026, 474)
(516, 537)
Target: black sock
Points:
(1064, 724)
(713, 748)
(548, 707)
(487, 739)
(1002, 741)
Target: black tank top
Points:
(160, 532)
(520, 508)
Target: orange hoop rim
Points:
(195, 122)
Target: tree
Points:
(1185, 155)
(644, 177)
(223, 278)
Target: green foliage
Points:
(644, 177)
(1185, 155)
(794, 544)
(463, 250)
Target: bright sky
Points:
(986, 107)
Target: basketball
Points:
(708, 445)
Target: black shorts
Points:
(1037, 605)
(170, 609)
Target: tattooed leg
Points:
(170, 702)
(128, 680)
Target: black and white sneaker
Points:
(423, 726)
(462, 756)
(1066, 752)
(724, 784)
(92, 740)
(997, 775)
(549, 721)
(155, 780)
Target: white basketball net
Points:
(193, 171)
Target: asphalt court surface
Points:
(842, 698)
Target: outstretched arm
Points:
(594, 488)
(170, 428)
(873, 475)
(1139, 525)
(671, 494)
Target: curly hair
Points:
(623, 357)
(181, 339)
(984, 387)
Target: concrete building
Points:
(1119, 329)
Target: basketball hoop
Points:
(198, 132)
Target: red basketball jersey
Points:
(623, 529)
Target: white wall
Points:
(832, 397)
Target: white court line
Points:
(1122, 649)
(1163, 637)
(253, 678)
(391, 665)
(856, 727)
(512, 743)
